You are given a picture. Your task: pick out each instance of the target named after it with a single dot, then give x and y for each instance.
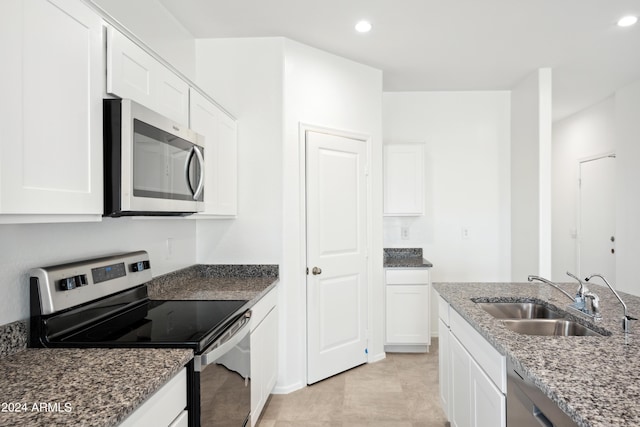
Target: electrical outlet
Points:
(404, 233)
(465, 233)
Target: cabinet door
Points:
(133, 73)
(460, 405)
(408, 314)
(264, 362)
(404, 180)
(219, 130)
(443, 367)
(51, 145)
(488, 404)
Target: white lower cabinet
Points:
(444, 369)
(407, 310)
(264, 352)
(166, 407)
(488, 404)
(472, 374)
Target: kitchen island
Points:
(595, 380)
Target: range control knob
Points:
(81, 280)
(140, 266)
(67, 284)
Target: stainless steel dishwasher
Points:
(527, 406)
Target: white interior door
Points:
(336, 254)
(598, 218)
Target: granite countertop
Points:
(83, 387)
(211, 282)
(405, 258)
(595, 380)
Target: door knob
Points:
(316, 270)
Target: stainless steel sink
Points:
(519, 310)
(548, 327)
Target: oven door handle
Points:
(223, 345)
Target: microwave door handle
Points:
(196, 194)
(187, 169)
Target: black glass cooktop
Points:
(190, 324)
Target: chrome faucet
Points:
(579, 300)
(626, 318)
(531, 278)
(595, 304)
(581, 292)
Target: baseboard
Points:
(278, 389)
(376, 357)
(406, 348)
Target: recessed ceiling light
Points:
(627, 21)
(363, 26)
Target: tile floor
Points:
(399, 391)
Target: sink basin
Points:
(519, 310)
(549, 327)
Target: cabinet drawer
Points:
(443, 310)
(260, 310)
(163, 407)
(407, 277)
(487, 357)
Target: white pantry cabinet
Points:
(404, 180)
(133, 73)
(407, 310)
(166, 407)
(264, 352)
(220, 156)
(51, 133)
(472, 373)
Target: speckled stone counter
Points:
(13, 337)
(215, 282)
(593, 379)
(83, 387)
(405, 258)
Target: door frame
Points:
(579, 201)
(303, 128)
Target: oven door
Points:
(223, 379)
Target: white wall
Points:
(245, 76)
(271, 85)
(588, 133)
(627, 110)
(325, 90)
(531, 176)
(151, 22)
(23, 247)
(466, 136)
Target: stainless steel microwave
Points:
(152, 165)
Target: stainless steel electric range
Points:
(103, 302)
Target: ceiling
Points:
(449, 45)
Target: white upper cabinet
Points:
(404, 180)
(133, 73)
(51, 132)
(220, 156)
